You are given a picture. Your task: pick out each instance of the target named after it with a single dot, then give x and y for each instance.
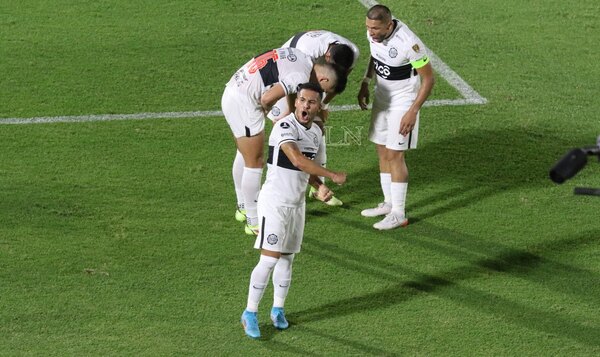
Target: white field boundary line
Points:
(470, 97)
(188, 115)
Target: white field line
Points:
(470, 96)
(195, 114)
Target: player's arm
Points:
(291, 100)
(427, 81)
(363, 93)
(307, 165)
(271, 96)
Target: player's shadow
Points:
(498, 259)
(459, 170)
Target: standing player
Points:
(333, 48)
(404, 81)
(293, 145)
(248, 96)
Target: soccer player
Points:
(321, 44)
(403, 83)
(248, 96)
(293, 145)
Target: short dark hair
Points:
(379, 13)
(342, 78)
(342, 55)
(315, 87)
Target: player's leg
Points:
(396, 146)
(237, 172)
(247, 125)
(378, 135)
(282, 274)
(282, 278)
(251, 149)
(272, 225)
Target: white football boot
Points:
(381, 210)
(391, 221)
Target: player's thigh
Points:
(244, 117)
(379, 125)
(272, 225)
(396, 141)
(294, 236)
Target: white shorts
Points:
(281, 228)
(244, 117)
(385, 127)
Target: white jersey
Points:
(395, 60)
(316, 43)
(287, 66)
(285, 183)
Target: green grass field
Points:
(118, 237)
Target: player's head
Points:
(340, 54)
(379, 22)
(331, 77)
(308, 102)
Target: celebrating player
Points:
(321, 44)
(293, 145)
(404, 81)
(248, 96)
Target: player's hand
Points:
(324, 193)
(407, 124)
(363, 96)
(339, 178)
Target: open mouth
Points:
(304, 115)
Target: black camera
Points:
(572, 163)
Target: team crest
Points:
(316, 140)
(276, 111)
(393, 52)
(272, 239)
(416, 48)
(284, 125)
(292, 57)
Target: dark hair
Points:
(342, 55)
(342, 78)
(315, 87)
(379, 13)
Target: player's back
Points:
(287, 66)
(315, 43)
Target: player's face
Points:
(307, 103)
(378, 30)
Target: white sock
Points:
(282, 277)
(237, 172)
(398, 190)
(258, 281)
(323, 157)
(250, 188)
(386, 181)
